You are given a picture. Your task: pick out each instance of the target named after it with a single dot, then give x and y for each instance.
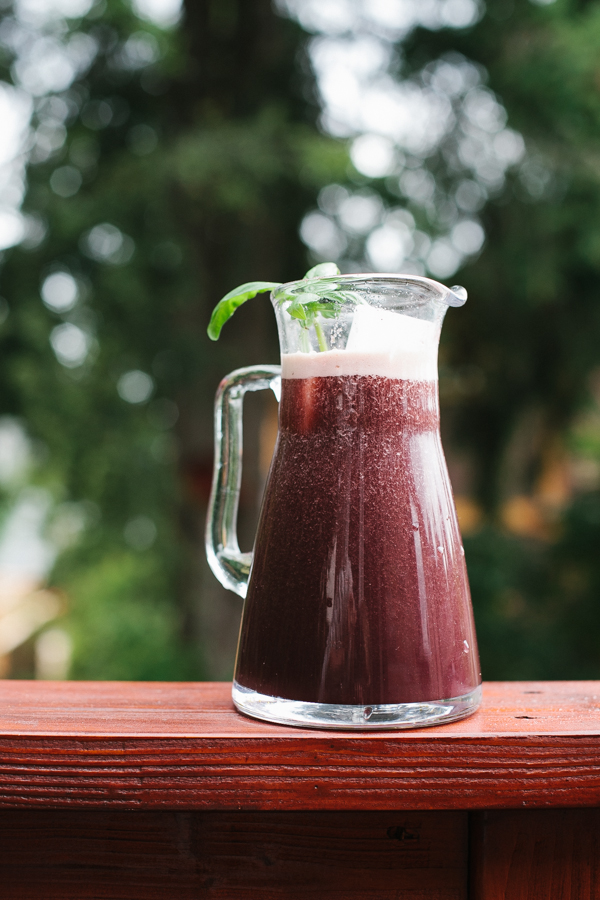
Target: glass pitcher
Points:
(357, 610)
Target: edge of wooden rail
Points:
(183, 746)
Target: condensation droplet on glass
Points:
(462, 550)
(440, 549)
(466, 644)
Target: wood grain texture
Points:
(182, 746)
(77, 855)
(551, 854)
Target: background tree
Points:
(474, 133)
(532, 331)
(520, 365)
(173, 165)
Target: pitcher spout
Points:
(457, 296)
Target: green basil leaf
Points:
(323, 270)
(226, 307)
(326, 288)
(296, 311)
(350, 297)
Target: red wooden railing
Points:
(164, 791)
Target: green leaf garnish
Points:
(305, 306)
(226, 307)
(297, 311)
(323, 270)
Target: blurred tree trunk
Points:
(241, 72)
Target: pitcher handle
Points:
(229, 564)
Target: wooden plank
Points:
(182, 746)
(74, 855)
(536, 854)
(204, 709)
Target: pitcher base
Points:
(357, 718)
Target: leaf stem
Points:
(320, 337)
(304, 342)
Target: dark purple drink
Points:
(358, 593)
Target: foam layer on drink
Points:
(380, 342)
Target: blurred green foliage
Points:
(197, 166)
(194, 175)
(536, 603)
(532, 330)
(122, 621)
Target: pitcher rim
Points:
(454, 296)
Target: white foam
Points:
(381, 343)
